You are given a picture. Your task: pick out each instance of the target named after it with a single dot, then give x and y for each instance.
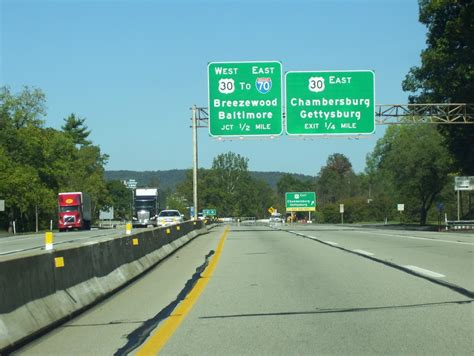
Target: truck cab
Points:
(145, 210)
(74, 211)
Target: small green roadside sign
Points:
(330, 102)
(209, 212)
(245, 99)
(300, 201)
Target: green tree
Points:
(22, 109)
(336, 180)
(260, 196)
(120, 197)
(447, 69)
(288, 183)
(177, 202)
(231, 175)
(88, 176)
(228, 188)
(37, 162)
(231, 169)
(206, 194)
(75, 127)
(415, 162)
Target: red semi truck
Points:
(74, 211)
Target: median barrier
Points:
(43, 288)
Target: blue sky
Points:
(134, 68)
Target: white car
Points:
(170, 217)
(275, 218)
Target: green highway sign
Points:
(209, 212)
(330, 102)
(300, 201)
(245, 99)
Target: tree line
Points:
(409, 165)
(37, 162)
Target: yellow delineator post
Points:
(48, 240)
(128, 229)
(135, 242)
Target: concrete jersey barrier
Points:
(36, 291)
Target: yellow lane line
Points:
(156, 341)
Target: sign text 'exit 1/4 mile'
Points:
(330, 102)
(245, 98)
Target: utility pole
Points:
(195, 164)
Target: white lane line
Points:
(362, 252)
(415, 238)
(426, 272)
(316, 238)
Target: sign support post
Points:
(462, 183)
(459, 206)
(401, 208)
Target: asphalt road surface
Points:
(287, 291)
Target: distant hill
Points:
(170, 178)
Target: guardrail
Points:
(460, 224)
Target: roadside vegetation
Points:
(37, 162)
